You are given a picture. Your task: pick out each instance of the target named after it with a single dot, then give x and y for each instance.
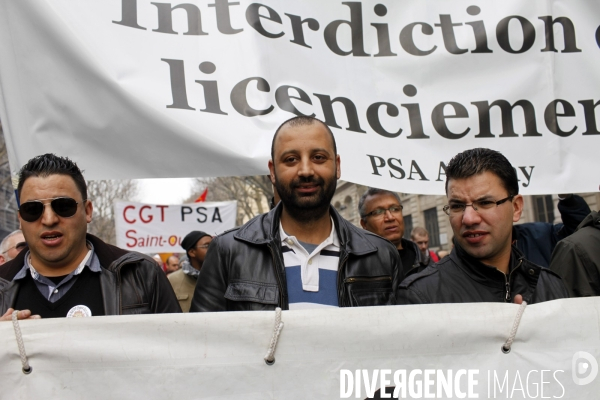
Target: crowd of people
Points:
(302, 253)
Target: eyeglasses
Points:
(454, 209)
(379, 212)
(203, 246)
(19, 246)
(64, 207)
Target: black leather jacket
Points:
(244, 268)
(459, 278)
(418, 265)
(131, 283)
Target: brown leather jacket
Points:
(131, 282)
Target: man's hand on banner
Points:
(518, 299)
(23, 314)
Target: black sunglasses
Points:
(31, 211)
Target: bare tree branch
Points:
(252, 193)
(103, 194)
(8, 204)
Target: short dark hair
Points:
(480, 160)
(51, 164)
(302, 121)
(373, 192)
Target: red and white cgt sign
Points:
(150, 228)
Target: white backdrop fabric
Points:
(146, 89)
(151, 228)
(220, 355)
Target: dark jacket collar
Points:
(106, 253)
(410, 244)
(483, 273)
(264, 229)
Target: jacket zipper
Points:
(507, 282)
(277, 277)
(378, 278)
(341, 287)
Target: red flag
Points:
(202, 197)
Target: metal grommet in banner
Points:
(270, 362)
(27, 370)
(505, 349)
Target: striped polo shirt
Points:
(311, 276)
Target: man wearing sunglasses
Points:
(65, 271)
(483, 203)
(381, 213)
(11, 246)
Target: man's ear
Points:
(272, 171)
(363, 223)
(2, 259)
(517, 207)
(89, 210)
(338, 173)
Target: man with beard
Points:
(301, 254)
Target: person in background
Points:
(159, 261)
(577, 258)
(11, 245)
(420, 236)
(184, 280)
(536, 240)
(381, 213)
(172, 264)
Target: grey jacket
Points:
(244, 268)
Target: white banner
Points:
(155, 228)
(202, 85)
(428, 351)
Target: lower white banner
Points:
(428, 351)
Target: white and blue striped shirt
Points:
(311, 277)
